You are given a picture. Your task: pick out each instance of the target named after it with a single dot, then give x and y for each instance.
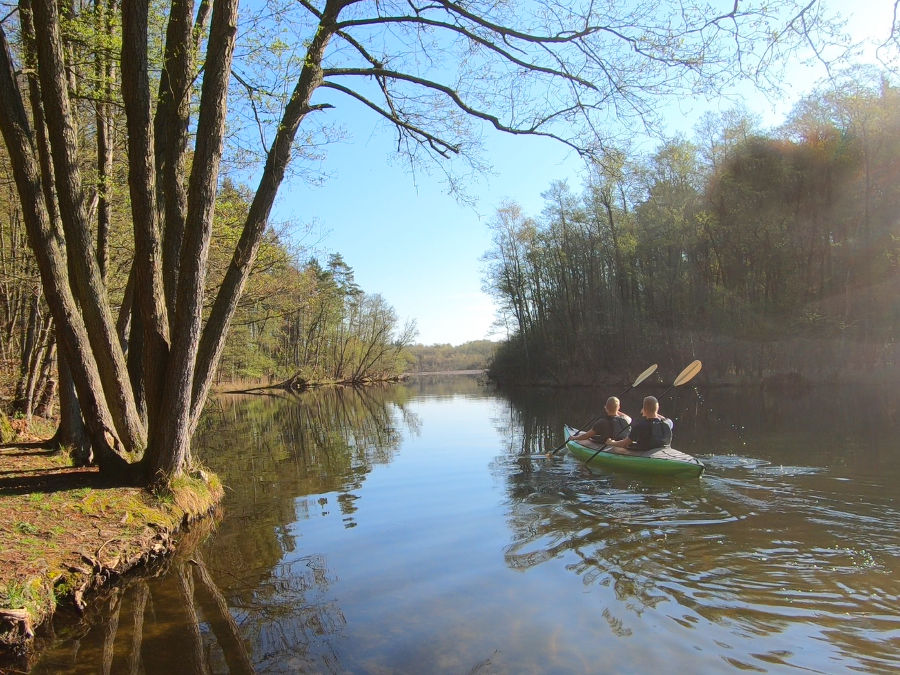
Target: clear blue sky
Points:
(408, 240)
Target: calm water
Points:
(417, 529)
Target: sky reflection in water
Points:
(419, 529)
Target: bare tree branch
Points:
(533, 130)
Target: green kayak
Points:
(666, 461)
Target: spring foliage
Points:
(772, 252)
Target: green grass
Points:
(13, 595)
(45, 531)
(27, 528)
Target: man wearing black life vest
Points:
(611, 423)
(648, 433)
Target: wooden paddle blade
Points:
(643, 376)
(687, 374)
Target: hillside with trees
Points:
(769, 254)
(474, 355)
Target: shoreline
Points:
(65, 534)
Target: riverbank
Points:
(64, 533)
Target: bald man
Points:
(611, 423)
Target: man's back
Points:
(651, 433)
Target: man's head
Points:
(612, 405)
(651, 406)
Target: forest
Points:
(774, 255)
(298, 320)
(473, 355)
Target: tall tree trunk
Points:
(46, 242)
(149, 296)
(103, 72)
(171, 138)
(82, 264)
(169, 443)
(213, 338)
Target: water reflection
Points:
(420, 528)
(172, 607)
(284, 458)
(310, 455)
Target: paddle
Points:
(640, 378)
(684, 376)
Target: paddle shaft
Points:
(640, 378)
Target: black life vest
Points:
(650, 434)
(661, 433)
(619, 425)
(610, 426)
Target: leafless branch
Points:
(439, 145)
(431, 23)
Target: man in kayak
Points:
(611, 423)
(648, 433)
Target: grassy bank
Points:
(64, 532)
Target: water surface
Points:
(419, 528)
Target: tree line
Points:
(770, 254)
(473, 355)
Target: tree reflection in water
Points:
(259, 605)
(781, 555)
(137, 625)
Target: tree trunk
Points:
(29, 347)
(169, 443)
(45, 240)
(71, 432)
(82, 264)
(36, 363)
(149, 296)
(213, 338)
(105, 129)
(44, 401)
(171, 137)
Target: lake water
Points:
(419, 529)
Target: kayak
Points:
(665, 461)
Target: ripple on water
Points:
(733, 462)
(781, 470)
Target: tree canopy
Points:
(773, 250)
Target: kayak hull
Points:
(662, 461)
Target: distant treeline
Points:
(475, 355)
(766, 254)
